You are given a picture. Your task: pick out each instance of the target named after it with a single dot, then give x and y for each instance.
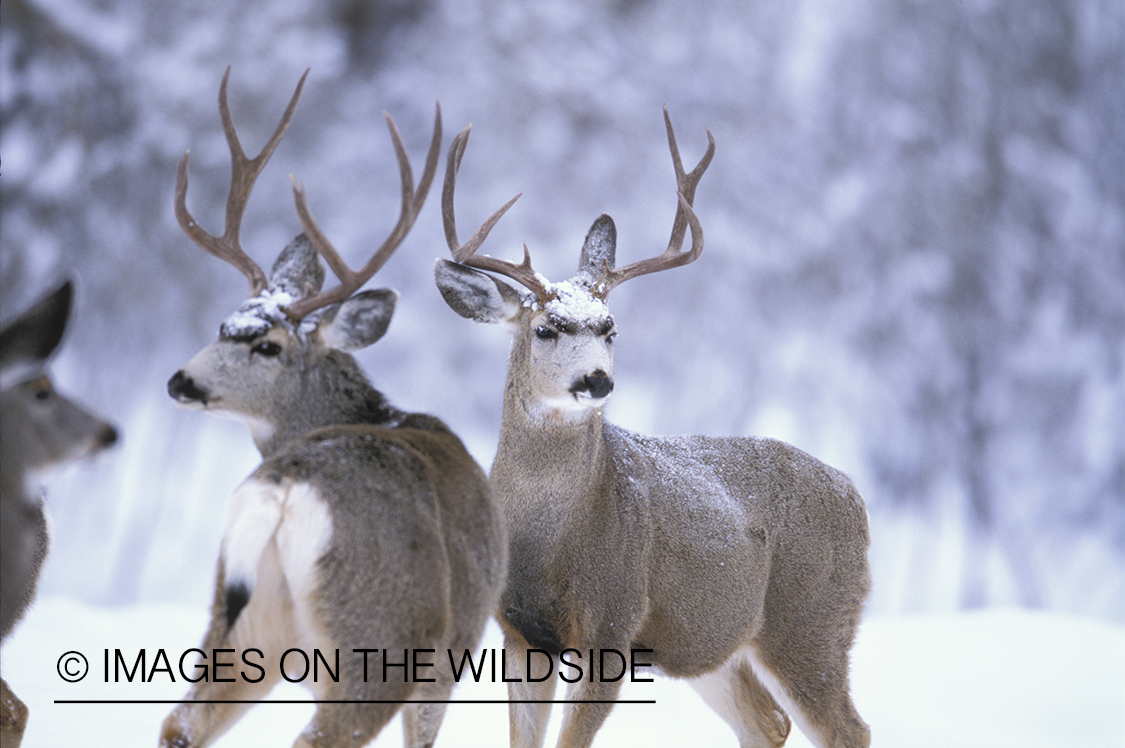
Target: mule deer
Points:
(365, 526)
(39, 428)
(741, 563)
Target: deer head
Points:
(280, 363)
(41, 426)
(562, 357)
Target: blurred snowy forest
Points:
(915, 259)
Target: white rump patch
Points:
(291, 515)
(302, 538)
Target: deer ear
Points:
(297, 269)
(359, 321)
(34, 335)
(476, 295)
(600, 249)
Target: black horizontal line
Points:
(355, 701)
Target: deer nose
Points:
(108, 436)
(599, 384)
(182, 389)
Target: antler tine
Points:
(244, 172)
(685, 218)
(466, 253)
(412, 200)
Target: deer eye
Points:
(266, 348)
(43, 393)
(545, 333)
(611, 337)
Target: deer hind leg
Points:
(420, 723)
(345, 724)
(736, 695)
(273, 537)
(264, 624)
(814, 691)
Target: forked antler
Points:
(685, 217)
(412, 200)
(466, 253)
(244, 171)
(610, 278)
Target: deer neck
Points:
(332, 393)
(542, 458)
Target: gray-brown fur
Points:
(417, 554)
(365, 526)
(415, 562)
(39, 428)
(740, 562)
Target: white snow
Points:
(574, 303)
(257, 314)
(989, 679)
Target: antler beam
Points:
(244, 172)
(412, 200)
(685, 217)
(466, 253)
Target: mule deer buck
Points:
(365, 526)
(741, 563)
(39, 428)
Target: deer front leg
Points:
(582, 720)
(529, 709)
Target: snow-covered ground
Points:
(995, 678)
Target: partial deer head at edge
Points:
(290, 332)
(39, 428)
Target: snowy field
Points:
(991, 679)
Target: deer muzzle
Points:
(183, 390)
(597, 385)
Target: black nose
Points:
(599, 384)
(108, 436)
(182, 387)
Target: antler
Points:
(244, 171)
(465, 253)
(412, 200)
(685, 217)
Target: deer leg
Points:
(420, 722)
(13, 716)
(264, 624)
(581, 721)
(528, 710)
(815, 693)
(594, 695)
(736, 695)
(345, 724)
